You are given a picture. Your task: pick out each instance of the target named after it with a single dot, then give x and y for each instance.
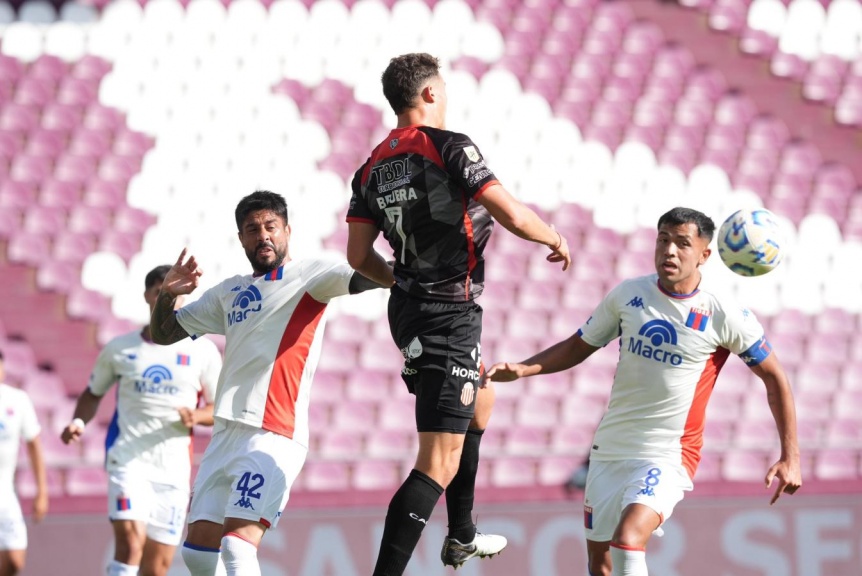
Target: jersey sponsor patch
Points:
(471, 153)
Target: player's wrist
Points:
(78, 423)
(554, 246)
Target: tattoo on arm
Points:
(164, 328)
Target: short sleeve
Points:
(29, 423)
(743, 335)
(604, 324)
(103, 375)
(358, 211)
(327, 278)
(466, 165)
(206, 315)
(211, 370)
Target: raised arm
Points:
(787, 469)
(182, 278)
(363, 258)
(561, 356)
(523, 222)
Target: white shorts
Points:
(161, 506)
(245, 473)
(611, 486)
(13, 530)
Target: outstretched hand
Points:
(560, 253)
(183, 277)
(789, 478)
(504, 372)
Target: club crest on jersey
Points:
(472, 153)
(698, 319)
(184, 360)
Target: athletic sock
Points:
(460, 492)
(409, 510)
(202, 561)
(116, 568)
(239, 555)
(628, 561)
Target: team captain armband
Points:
(757, 353)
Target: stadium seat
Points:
(26, 482)
(526, 439)
(90, 481)
(325, 475)
(556, 470)
(340, 443)
(837, 464)
(376, 475)
(744, 465)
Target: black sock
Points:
(408, 513)
(459, 493)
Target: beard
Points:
(263, 263)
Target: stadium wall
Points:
(712, 533)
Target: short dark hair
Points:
(679, 216)
(155, 276)
(260, 200)
(405, 76)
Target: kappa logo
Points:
(244, 503)
(636, 302)
(472, 153)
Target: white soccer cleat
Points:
(454, 553)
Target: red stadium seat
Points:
(376, 475)
(340, 443)
(510, 472)
(744, 466)
(837, 465)
(90, 481)
(325, 475)
(58, 276)
(556, 470)
(527, 440)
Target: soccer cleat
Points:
(483, 545)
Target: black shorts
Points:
(440, 342)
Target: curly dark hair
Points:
(260, 200)
(679, 216)
(405, 76)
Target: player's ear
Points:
(428, 95)
(704, 256)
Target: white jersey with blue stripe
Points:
(672, 347)
(146, 435)
(17, 422)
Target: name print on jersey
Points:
(242, 304)
(658, 332)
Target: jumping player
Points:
(675, 335)
(434, 197)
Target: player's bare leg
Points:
(157, 558)
(129, 538)
(12, 562)
(463, 541)
(628, 546)
(599, 558)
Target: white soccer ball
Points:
(750, 241)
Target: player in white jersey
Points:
(675, 335)
(17, 421)
(273, 320)
(148, 444)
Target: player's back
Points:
(420, 187)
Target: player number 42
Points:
(396, 216)
(248, 489)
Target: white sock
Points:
(240, 556)
(202, 561)
(628, 562)
(119, 569)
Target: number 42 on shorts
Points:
(248, 487)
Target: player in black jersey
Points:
(431, 193)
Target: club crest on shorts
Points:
(468, 392)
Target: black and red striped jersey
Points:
(420, 187)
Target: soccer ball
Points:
(749, 242)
